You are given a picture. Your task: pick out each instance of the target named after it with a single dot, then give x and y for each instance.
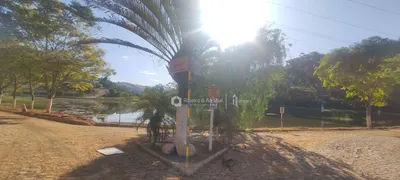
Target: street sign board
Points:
(180, 64)
(282, 110)
(213, 105)
(213, 92)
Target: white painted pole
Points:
(210, 134)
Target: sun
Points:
(233, 22)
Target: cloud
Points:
(148, 73)
(125, 57)
(154, 80)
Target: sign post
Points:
(322, 110)
(282, 111)
(213, 92)
(210, 137)
(179, 67)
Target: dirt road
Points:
(32, 148)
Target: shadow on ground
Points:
(6, 120)
(7, 123)
(255, 157)
(11, 118)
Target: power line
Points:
(374, 7)
(328, 18)
(311, 33)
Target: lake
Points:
(116, 117)
(100, 110)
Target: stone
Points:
(24, 110)
(168, 148)
(181, 149)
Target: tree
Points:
(17, 56)
(14, 54)
(5, 78)
(73, 69)
(367, 70)
(155, 104)
(300, 73)
(249, 71)
(171, 27)
(32, 74)
(51, 30)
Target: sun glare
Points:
(232, 22)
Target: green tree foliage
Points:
(155, 103)
(52, 31)
(18, 55)
(169, 26)
(73, 69)
(300, 70)
(251, 71)
(300, 73)
(114, 90)
(5, 70)
(367, 70)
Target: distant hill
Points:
(131, 87)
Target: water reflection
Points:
(99, 111)
(117, 117)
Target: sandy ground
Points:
(372, 153)
(32, 148)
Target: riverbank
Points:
(67, 118)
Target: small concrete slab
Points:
(110, 151)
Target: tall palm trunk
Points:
(180, 140)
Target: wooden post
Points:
(282, 110)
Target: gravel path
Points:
(32, 148)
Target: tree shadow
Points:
(269, 157)
(11, 118)
(134, 163)
(7, 123)
(6, 120)
(255, 157)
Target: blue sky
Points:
(302, 30)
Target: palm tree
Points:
(155, 104)
(173, 28)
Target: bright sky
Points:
(306, 31)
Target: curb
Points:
(187, 171)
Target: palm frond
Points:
(170, 12)
(136, 12)
(121, 42)
(155, 7)
(140, 123)
(139, 32)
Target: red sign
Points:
(213, 92)
(180, 64)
